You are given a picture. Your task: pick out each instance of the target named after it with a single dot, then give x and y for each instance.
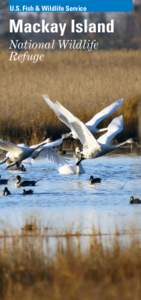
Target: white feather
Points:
(103, 114)
(92, 123)
(79, 128)
(18, 153)
(115, 127)
(92, 148)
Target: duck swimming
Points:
(6, 192)
(3, 181)
(21, 183)
(94, 180)
(27, 192)
(134, 200)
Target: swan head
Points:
(66, 135)
(79, 155)
(48, 140)
(78, 152)
(130, 141)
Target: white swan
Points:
(102, 115)
(92, 148)
(67, 169)
(105, 141)
(104, 146)
(17, 153)
(50, 152)
(70, 169)
(91, 124)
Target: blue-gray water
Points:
(66, 202)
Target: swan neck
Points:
(39, 146)
(79, 162)
(77, 170)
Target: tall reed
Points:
(83, 82)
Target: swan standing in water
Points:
(92, 148)
(17, 153)
(91, 124)
(70, 169)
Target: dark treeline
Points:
(127, 33)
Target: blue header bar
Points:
(70, 6)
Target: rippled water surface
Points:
(64, 202)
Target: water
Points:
(70, 202)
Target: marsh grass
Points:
(100, 273)
(83, 82)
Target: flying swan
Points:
(15, 154)
(92, 123)
(105, 142)
(92, 148)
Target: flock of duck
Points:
(91, 147)
(19, 183)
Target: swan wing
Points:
(114, 128)
(49, 151)
(10, 147)
(52, 145)
(46, 141)
(52, 156)
(55, 109)
(103, 114)
(61, 116)
(79, 128)
(22, 145)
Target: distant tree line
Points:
(127, 35)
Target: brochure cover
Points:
(70, 136)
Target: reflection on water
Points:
(70, 202)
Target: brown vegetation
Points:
(100, 273)
(83, 82)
